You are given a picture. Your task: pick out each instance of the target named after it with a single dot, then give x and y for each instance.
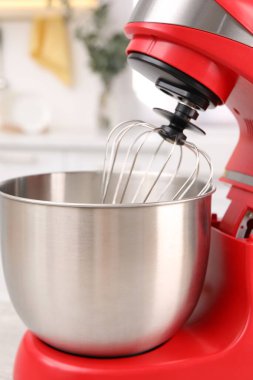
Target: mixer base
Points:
(218, 345)
(37, 361)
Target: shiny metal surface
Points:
(205, 15)
(165, 157)
(239, 177)
(100, 280)
(245, 227)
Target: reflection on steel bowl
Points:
(101, 280)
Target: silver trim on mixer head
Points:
(239, 177)
(204, 15)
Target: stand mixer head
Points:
(150, 53)
(192, 97)
(200, 52)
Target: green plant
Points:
(106, 53)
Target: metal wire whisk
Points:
(140, 166)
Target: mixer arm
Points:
(203, 49)
(191, 94)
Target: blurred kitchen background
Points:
(64, 83)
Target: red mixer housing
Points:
(225, 67)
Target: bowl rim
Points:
(90, 205)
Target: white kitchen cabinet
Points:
(23, 155)
(15, 164)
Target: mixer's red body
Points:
(223, 66)
(218, 341)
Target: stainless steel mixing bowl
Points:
(100, 280)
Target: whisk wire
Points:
(108, 170)
(193, 177)
(173, 177)
(141, 133)
(107, 147)
(210, 178)
(160, 172)
(113, 158)
(106, 161)
(143, 137)
(151, 161)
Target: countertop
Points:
(11, 331)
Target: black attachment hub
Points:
(185, 94)
(192, 95)
(179, 121)
(174, 82)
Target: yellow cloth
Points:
(50, 46)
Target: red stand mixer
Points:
(200, 52)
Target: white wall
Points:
(74, 107)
